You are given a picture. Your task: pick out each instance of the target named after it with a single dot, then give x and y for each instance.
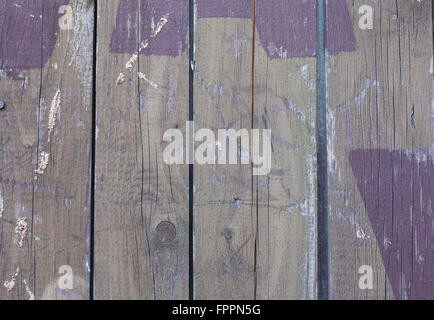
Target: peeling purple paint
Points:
(284, 30)
(171, 41)
(290, 31)
(225, 9)
(27, 40)
(340, 34)
(397, 189)
(287, 31)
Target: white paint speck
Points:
(30, 293)
(2, 204)
(9, 285)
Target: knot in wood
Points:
(166, 232)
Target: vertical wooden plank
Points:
(255, 236)
(380, 153)
(224, 215)
(141, 204)
(285, 102)
(51, 207)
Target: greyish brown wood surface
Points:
(53, 205)
(254, 241)
(85, 190)
(224, 212)
(285, 199)
(380, 137)
(141, 204)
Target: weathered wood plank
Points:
(37, 61)
(285, 102)
(224, 215)
(380, 154)
(255, 236)
(141, 204)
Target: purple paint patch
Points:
(172, 39)
(225, 9)
(284, 30)
(287, 31)
(27, 40)
(397, 189)
(340, 35)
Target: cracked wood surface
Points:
(380, 150)
(224, 212)
(254, 241)
(56, 205)
(254, 237)
(134, 190)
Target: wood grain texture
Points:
(380, 154)
(135, 190)
(254, 66)
(254, 237)
(224, 214)
(57, 203)
(285, 199)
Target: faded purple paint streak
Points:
(172, 39)
(284, 30)
(287, 31)
(340, 35)
(397, 189)
(27, 42)
(225, 9)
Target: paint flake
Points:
(9, 285)
(129, 65)
(2, 204)
(143, 77)
(29, 292)
(361, 234)
(121, 78)
(42, 163)
(144, 45)
(55, 104)
(21, 230)
(164, 19)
